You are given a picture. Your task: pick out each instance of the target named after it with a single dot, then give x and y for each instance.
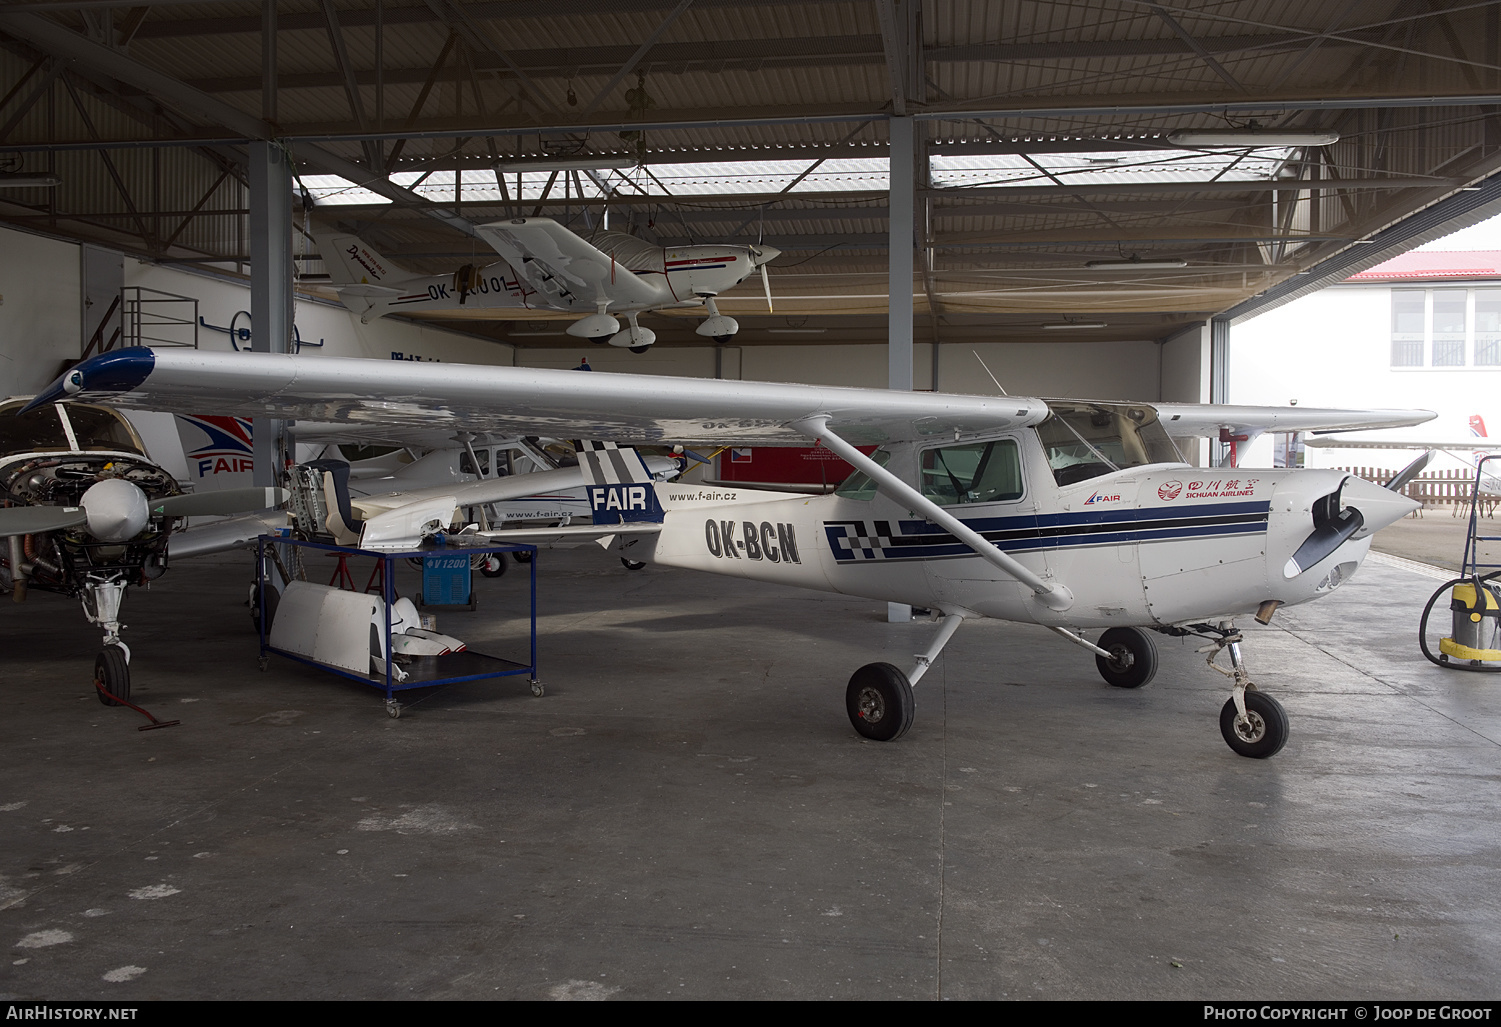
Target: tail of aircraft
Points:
(618, 484)
(362, 277)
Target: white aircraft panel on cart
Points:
(1071, 514)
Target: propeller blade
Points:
(32, 520)
(228, 501)
(1332, 528)
(1411, 471)
(766, 281)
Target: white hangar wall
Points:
(40, 318)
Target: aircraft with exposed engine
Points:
(1075, 515)
(88, 514)
(546, 267)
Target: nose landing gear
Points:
(1252, 722)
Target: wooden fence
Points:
(1448, 488)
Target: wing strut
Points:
(1052, 595)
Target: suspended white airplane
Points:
(548, 267)
(1070, 514)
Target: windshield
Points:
(38, 431)
(1086, 440)
(97, 428)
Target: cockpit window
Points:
(859, 485)
(979, 472)
(38, 431)
(96, 429)
(1086, 440)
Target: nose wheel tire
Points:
(879, 702)
(1133, 657)
(112, 675)
(1262, 732)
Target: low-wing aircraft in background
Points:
(1070, 514)
(87, 514)
(547, 267)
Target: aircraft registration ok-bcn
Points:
(1071, 514)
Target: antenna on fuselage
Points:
(988, 371)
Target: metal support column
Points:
(899, 275)
(899, 281)
(270, 282)
(1219, 379)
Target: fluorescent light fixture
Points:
(796, 331)
(1249, 137)
(600, 162)
(29, 181)
(534, 335)
(1133, 264)
(1060, 326)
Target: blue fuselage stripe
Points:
(851, 540)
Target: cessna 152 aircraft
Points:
(1070, 514)
(87, 514)
(547, 267)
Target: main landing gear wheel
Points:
(879, 702)
(492, 566)
(522, 556)
(112, 675)
(632, 565)
(1133, 657)
(1262, 732)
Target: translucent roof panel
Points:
(331, 190)
(1110, 167)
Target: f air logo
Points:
(617, 504)
(774, 542)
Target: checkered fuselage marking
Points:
(853, 541)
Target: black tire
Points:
(632, 565)
(272, 598)
(523, 556)
(879, 702)
(722, 339)
(1267, 731)
(112, 675)
(495, 571)
(1134, 657)
(639, 349)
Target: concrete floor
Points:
(688, 813)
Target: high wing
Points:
(1193, 420)
(563, 267)
(426, 404)
(1474, 445)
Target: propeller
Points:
(33, 520)
(115, 510)
(1411, 471)
(1332, 527)
(761, 256)
(224, 502)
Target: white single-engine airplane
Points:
(87, 514)
(1069, 514)
(547, 267)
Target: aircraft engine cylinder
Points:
(117, 510)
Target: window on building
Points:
(1487, 327)
(1409, 310)
(1449, 327)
